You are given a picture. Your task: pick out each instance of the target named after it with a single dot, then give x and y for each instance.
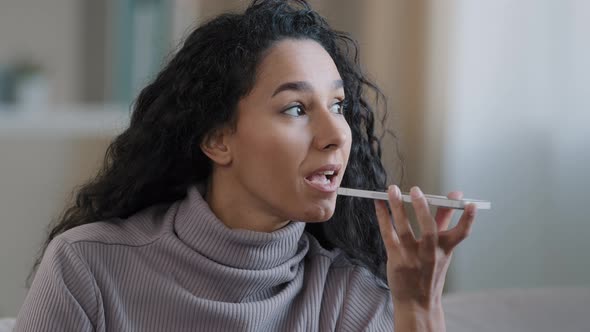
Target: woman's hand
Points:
(416, 268)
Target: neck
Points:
(236, 208)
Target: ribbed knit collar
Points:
(197, 226)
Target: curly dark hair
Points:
(158, 157)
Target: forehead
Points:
(297, 60)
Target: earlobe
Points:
(216, 147)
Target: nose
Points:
(331, 130)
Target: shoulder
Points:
(139, 229)
(63, 296)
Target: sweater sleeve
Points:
(368, 305)
(63, 295)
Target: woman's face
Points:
(290, 133)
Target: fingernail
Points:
(471, 209)
(391, 188)
(398, 193)
(391, 192)
(415, 192)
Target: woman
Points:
(216, 209)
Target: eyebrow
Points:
(303, 86)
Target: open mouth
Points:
(323, 177)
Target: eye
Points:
(295, 111)
(338, 108)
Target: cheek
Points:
(348, 143)
(274, 141)
(273, 150)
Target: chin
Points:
(317, 213)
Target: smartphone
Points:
(433, 200)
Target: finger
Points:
(425, 220)
(445, 215)
(400, 220)
(428, 238)
(451, 238)
(388, 234)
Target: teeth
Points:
(328, 172)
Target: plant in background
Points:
(29, 86)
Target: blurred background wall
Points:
(487, 97)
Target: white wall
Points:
(517, 134)
(491, 97)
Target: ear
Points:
(216, 146)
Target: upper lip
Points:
(328, 167)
